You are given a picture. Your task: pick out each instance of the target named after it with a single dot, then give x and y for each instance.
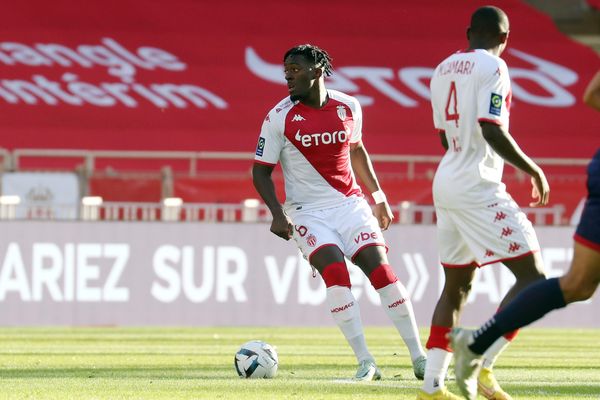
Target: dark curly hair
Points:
(317, 56)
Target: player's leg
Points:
(395, 301)
(500, 232)
(527, 270)
(446, 314)
(329, 261)
(582, 280)
(319, 243)
(543, 296)
(365, 245)
(531, 304)
(459, 270)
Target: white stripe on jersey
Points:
(313, 146)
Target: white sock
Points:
(491, 354)
(346, 314)
(396, 303)
(438, 361)
(359, 346)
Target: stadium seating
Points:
(159, 118)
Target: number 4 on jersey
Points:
(452, 105)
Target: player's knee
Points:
(459, 295)
(587, 290)
(582, 291)
(577, 288)
(336, 274)
(381, 276)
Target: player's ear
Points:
(318, 72)
(503, 37)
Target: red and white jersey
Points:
(467, 88)
(313, 146)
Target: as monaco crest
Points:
(341, 111)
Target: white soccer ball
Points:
(256, 359)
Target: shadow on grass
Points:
(313, 372)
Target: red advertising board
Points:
(195, 75)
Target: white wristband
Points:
(379, 197)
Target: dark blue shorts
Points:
(588, 230)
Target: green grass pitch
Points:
(315, 363)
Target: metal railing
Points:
(89, 158)
(405, 213)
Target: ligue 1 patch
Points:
(495, 104)
(261, 146)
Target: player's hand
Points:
(540, 190)
(282, 226)
(384, 215)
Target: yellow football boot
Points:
(488, 386)
(442, 394)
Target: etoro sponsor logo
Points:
(316, 139)
(540, 81)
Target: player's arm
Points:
(591, 95)
(363, 168)
(263, 182)
(504, 144)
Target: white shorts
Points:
(350, 226)
(483, 236)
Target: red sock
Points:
(336, 274)
(382, 276)
(438, 338)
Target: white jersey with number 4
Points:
(467, 88)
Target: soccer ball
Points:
(256, 359)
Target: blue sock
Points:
(531, 304)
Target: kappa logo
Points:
(500, 216)
(298, 117)
(513, 247)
